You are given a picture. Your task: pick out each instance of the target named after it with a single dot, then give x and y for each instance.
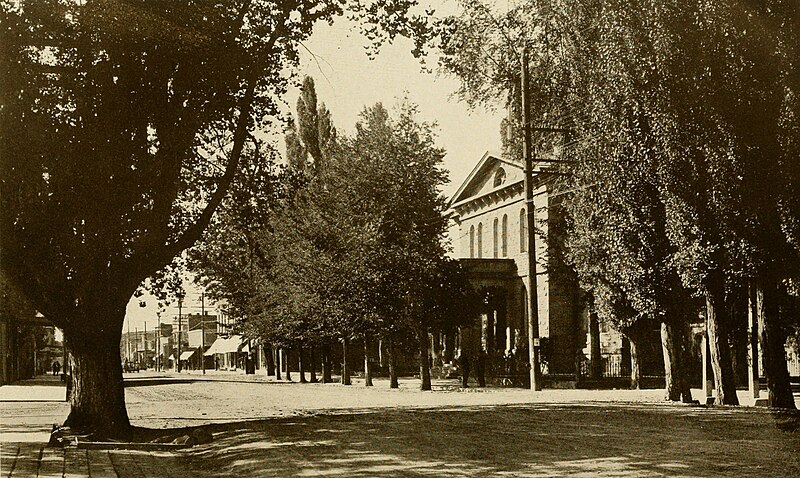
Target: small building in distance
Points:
(28, 343)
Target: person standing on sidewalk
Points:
(464, 362)
(480, 367)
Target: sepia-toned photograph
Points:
(401, 238)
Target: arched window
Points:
(504, 236)
(495, 232)
(523, 231)
(499, 177)
(471, 242)
(480, 240)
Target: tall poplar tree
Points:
(314, 134)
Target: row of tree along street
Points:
(346, 244)
(125, 126)
(680, 173)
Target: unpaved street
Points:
(264, 428)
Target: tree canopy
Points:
(123, 126)
(358, 251)
(682, 151)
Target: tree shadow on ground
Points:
(149, 382)
(544, 440)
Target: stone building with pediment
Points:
(492, 244)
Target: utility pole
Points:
(203, 331)
(136, 347)
(158, 343)
(533, 293)
(128, 342)
(145, 345)
(178, 358)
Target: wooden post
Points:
(708, 379)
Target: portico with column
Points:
(492, 241)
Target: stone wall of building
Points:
(494, 225)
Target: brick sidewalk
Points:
(29, 460)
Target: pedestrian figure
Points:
(56, 367)
(216, 363)
(480, 368)
(464, 360)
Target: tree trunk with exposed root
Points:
(673, 343)
(97, 395)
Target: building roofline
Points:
(487, 156)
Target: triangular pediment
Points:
(491, 173)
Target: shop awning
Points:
(227, 345)
(217, 347)
(187, 355)
(213, 349)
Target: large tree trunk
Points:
(773, 340)
(287, 361)
(345, 369)
(301, 364)
(393, 382)
(596, 356)
(675, 374)
(97, 397)
(270, 360)
(670, 362)
(718, 342)
(684, 355)
(424, 360)
(326, 363)
(278, 364)
(367, 364)
(313, 360)
(625, 366)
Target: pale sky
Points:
(347, 81)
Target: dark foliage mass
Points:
(354, 247)
(681, 185)
(124, 124)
